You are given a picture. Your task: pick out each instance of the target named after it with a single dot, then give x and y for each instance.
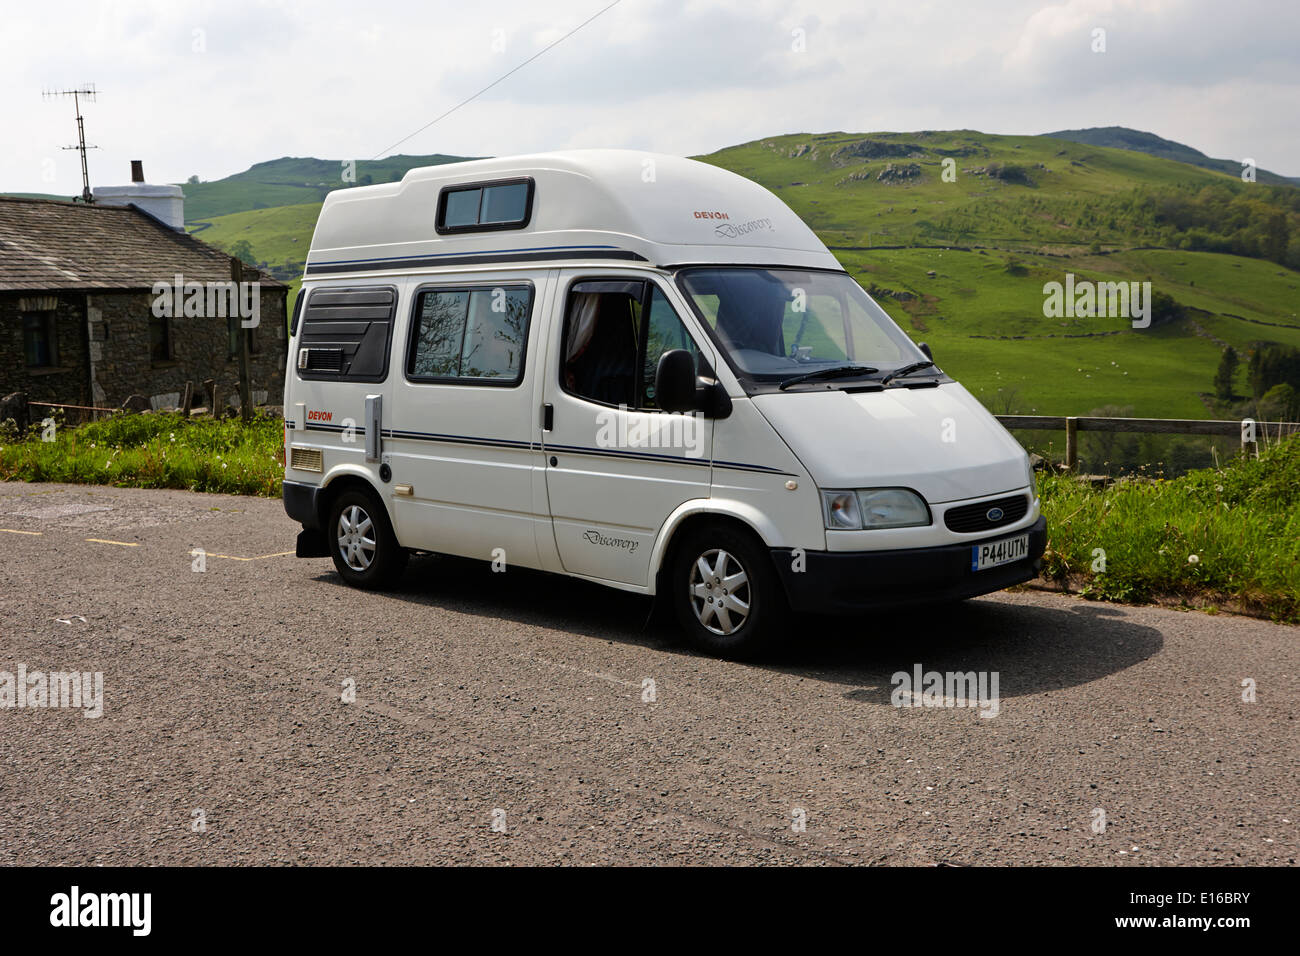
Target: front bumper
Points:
(845, 581)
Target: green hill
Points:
(1121, 137)
(292, 181)
(961, 264)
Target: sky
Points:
(209, 87)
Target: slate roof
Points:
(46, 245)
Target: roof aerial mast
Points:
(88, 91)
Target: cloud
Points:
(209, 88)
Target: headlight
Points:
(1033, 478)
(868, 508)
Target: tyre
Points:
(362, 544)
(726, 593)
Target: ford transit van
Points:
(642, 371)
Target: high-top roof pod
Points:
(585, 205)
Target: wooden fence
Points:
(1248, 429)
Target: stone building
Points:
(80, 293)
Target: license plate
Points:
(984, 556)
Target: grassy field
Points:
(985, 323)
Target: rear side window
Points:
(484, 207)
(346, 334)
(470, 335)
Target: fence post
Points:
(1249, 440)
(1072, 444)
(245, 395)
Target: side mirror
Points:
(925, 350)
(675, 381)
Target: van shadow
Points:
(1033, 648)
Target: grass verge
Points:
(154, 451)
(1216, 537)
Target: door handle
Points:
(548, 417)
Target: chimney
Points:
(164, 203)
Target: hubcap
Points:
(355, 541)
(719, 589)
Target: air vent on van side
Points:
(305, 459)
(321, 360)
(346, 334)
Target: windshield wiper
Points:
(906, 370)
(837, 371)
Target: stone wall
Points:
(118, 362)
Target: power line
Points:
(497, 80)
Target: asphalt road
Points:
(503, 718)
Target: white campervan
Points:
(639, 370)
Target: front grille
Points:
(305, 459)
(971, 518)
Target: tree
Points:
(1273, 364)
(243, 251)
(1281, 403)
(193, 180)
(1224, 376)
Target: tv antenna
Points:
(89, 92)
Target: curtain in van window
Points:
(582, 323)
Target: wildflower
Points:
(1193, 559)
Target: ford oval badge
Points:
(994, 514)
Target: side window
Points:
(470, 335)
(601, 331)
(664, 332)
(614, 338)
(160, 339)
(485, 207)
(345, 334)
(40, 346)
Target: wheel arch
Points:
(345, 478)
(694, 514)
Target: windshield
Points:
(776, 323)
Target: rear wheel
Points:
(362, 544)
(726, 593)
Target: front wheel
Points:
(726, 593)
(364, 548)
